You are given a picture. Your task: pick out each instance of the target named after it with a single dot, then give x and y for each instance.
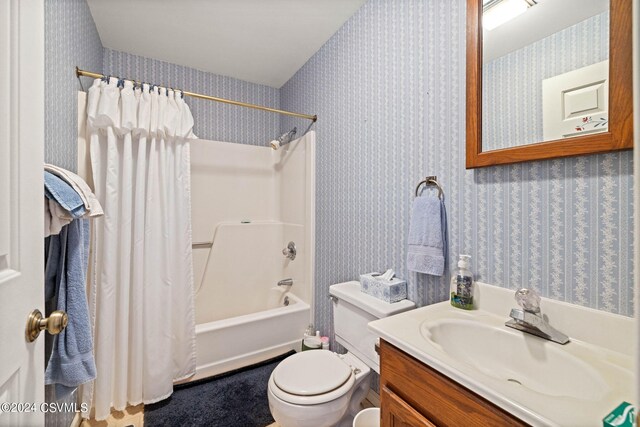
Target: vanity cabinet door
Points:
(413, 394)
(398, 413)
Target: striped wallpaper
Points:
(213, 121)
(70, 39)
(389, 90)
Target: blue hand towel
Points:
(71, 362)
(61, 192)
(427, 238)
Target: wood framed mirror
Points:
(599, 116)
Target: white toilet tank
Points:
(352, 310)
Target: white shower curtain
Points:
(141, 289)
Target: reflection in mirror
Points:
(544, 70)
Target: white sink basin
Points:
(530, 362)
(539, 381)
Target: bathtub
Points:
(236, 342)
(247, 203)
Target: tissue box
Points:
(389, 291)
(622, 416)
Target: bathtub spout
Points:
(285, 282)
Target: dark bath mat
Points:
(236, 398)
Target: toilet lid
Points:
(311, 373)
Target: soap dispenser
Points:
(462, 287)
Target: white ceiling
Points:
(259, 41)
(540, 21)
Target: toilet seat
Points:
(311, 372)
(311, 378)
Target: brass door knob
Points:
(54, 324)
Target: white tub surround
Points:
(573, 384)
(248, 203)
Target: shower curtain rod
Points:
(313, 118)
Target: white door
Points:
(576, 103)
(21, 208)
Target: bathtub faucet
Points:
(285, 282)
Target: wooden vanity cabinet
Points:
(413, 394)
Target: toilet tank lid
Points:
(350, 292)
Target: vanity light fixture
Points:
(497, 12)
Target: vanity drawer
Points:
(410, 390)
(398, 413)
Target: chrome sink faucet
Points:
(529, 319)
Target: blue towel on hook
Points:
(67, 256)
(427, 239)
(62, 193)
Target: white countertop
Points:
(601, 343)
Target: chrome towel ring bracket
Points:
(430, 180)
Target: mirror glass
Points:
(545, 70)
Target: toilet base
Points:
(290, 415)
(358, 396)
(338, 412)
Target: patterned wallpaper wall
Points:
(70, 39)
(512, 84)
(389, 90)
(213, 120)
(367, 86)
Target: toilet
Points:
(321, 388)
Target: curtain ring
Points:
(181, 94)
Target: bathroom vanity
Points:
(413, 394)
(448, 367)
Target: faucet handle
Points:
(290, 251)
(528, 299)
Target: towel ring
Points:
(430, 180)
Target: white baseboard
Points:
(77, 420)
(374, 398)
